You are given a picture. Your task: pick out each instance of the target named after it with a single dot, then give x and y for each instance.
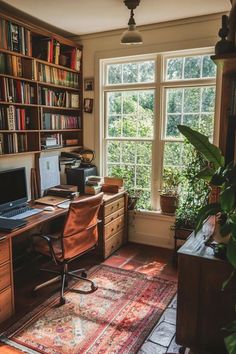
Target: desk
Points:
(113, 233)
(202, 308)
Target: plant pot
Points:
(168, 203)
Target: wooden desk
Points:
(202, 308)
(113, 233)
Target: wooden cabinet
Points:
(203, 309)
(113, 233)
(6, 283)
(40, 89)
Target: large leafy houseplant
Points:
(193, 192)
(222, 176)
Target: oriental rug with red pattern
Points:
(114, 319)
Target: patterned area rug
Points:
(114, 319)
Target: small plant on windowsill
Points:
(169, 193)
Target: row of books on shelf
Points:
(57, 76)
(16, 66)
(16, 91)
(97, 184)
(14, 37)
(52, 51)
(12, 118)
(13, 143)
(51, 141)
(60, 121)
(53, 98)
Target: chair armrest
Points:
(49, 242)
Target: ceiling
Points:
(83, 17)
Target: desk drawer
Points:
(5, 276)
(113, 243)
(113, 227)
(112, 207)
(113, 216)
(6, 309)
(4, 250)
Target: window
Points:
(142, 109)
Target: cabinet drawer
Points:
(114, 206)
(114, 215)
(6, 309)
(113, 227)
(113, 243)
(4, 250)
(5, 276)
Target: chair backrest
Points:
(80, 231)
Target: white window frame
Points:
(159, 85)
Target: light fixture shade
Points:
(131, 36)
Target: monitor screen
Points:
(13, 188)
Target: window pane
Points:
(128, 152)
(144, 153)
(192, 99)
(130, 73)
(191, 120)
(208, 67)
(186, 68)
(172, 121)
(174, 100)
(147, 71)
(143, 176)
(192, 68)
(114, 74)
(137, 112)
(208, 99)
(173, 154)
(174, 69)
(114, 103)
(114, 126)
(113, 151)
(206, 124)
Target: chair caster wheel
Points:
(182, 350)
(84, 274)
(93, 287)
(62, 301)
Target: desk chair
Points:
(79, 236)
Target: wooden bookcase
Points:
(40, 89)
(227, 64)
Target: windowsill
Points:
(152, 214)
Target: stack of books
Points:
(113, 185)
(93, 185)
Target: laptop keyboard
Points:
(21, 213)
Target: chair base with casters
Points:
(79, 236)
(63, 274)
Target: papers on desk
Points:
(51, 200)
(64, 205)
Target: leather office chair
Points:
(80, 235)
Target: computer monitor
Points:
(13, 188)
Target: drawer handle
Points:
(112, 207)
(3, 238)
(112, 229)
(112, 218)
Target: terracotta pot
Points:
(168, 203)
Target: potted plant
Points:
(169, 192)
(223, 177)
(193, 193)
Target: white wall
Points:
(199, 32)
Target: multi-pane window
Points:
(189, 95)
(137, 130)
(130, 126)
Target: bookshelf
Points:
(40, 89)
(227, 65)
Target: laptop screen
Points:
(13, 188)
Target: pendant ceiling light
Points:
(131, 35)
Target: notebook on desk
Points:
(10, 224)
(51, 200)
